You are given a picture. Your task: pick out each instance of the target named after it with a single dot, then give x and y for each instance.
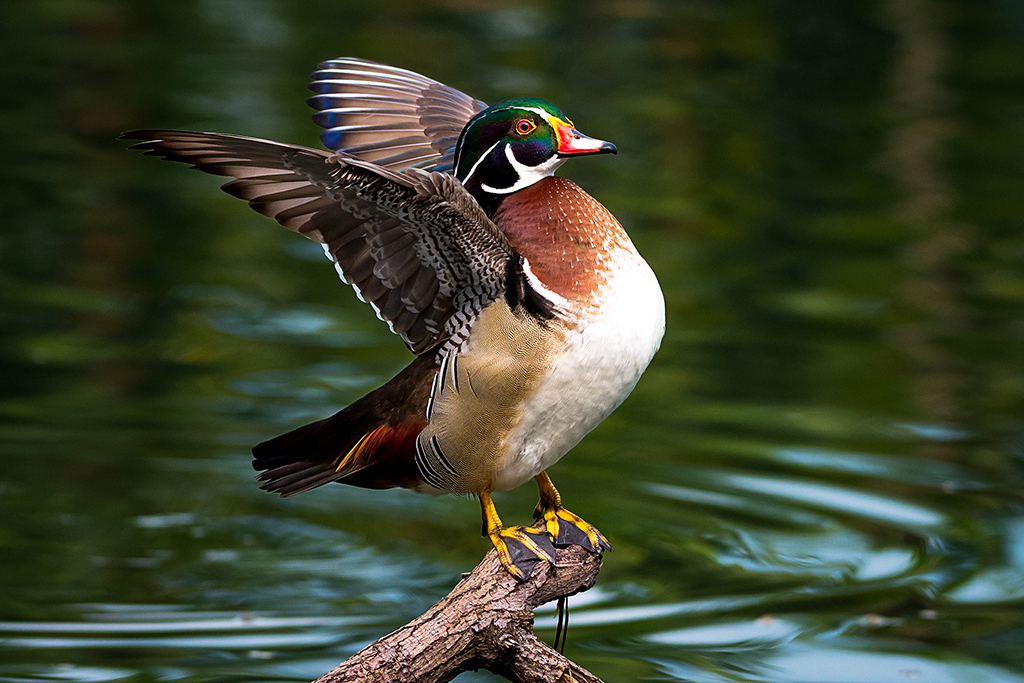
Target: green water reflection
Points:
(818, 479)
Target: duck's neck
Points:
(488, 201)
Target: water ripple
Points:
(829, 496)
(230, 632)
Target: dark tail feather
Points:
(370, 443)
(309, 456)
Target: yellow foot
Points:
(568, 529)
(520, 549)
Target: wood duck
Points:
(530, 312)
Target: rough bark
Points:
(486, 622)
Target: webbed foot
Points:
(520, 549)
(566, 528)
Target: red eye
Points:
(524, 126)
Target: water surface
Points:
(818, 479)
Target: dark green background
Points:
(818, 479)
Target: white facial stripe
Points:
(546, 116)
(528, 175)
(482, 157)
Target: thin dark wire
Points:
(565, 632)
(562, 629)
(558, 627)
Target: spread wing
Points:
(414, 245)
(395, 118)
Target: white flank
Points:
(603, 359)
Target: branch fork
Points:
(486, 622)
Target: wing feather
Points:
(390, 116)
(415, 245)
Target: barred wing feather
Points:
(414, 244)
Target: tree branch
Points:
(486, 622)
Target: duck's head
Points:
(513, 144)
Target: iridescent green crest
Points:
(522, 122)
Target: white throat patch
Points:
(528, 175)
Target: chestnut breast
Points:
(568, 237)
